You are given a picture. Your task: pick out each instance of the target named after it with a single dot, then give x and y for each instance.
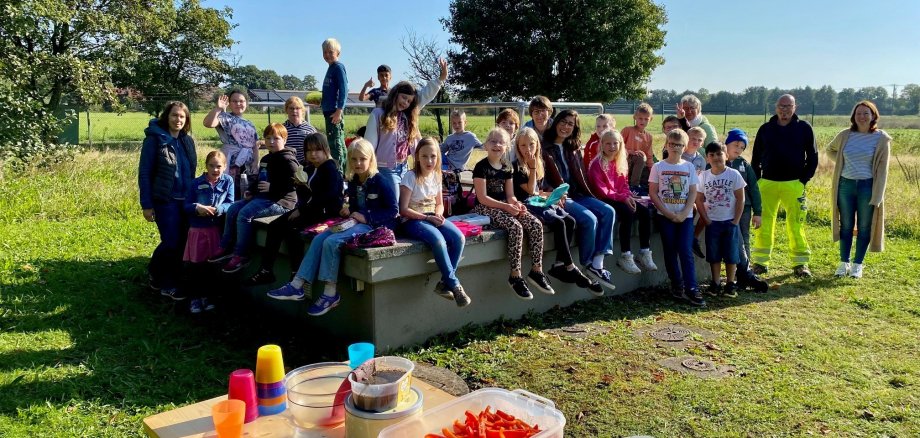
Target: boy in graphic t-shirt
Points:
(720, 202)
(459, 145)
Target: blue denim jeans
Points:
(446, 244)
(324, 255)
(853, 198)
(594, 226)
(172, 224)
(239, 222)
(676, 241)
(395, 174)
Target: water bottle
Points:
(244, 183)
(263, 172)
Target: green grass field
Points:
(87, 350)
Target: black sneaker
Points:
(443, 292)
(697, 250)
(759, 269)
(461, 297)
(595, 288)
(730, 290)
(154, 285)
(677, 291)
(222, 256)
(582, 280)
(559, 272)
(519, 286)
(539, 281)
(263, 276)
(602, 275)
(695, 297)
(173, 293)
(714, 289)
(801, 271)
(750, 280)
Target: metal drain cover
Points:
(698, 364)
(670, 334)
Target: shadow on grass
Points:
(93, 331)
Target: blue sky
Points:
(717, 45)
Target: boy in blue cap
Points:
(736, 141)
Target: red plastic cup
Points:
(243, 387)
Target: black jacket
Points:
(785, 153)
(322, 198)
(281, 168)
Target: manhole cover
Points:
(698, 364)
(670, 334)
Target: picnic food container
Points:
(363, 424)
(269, 377)
(369, 395)
(529, 407)
(316, 394)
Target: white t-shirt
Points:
(719, 191)
(674, 182)
(424, 192)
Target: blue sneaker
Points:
(173, 293)
(195, 306)
(207, 304)
(286, 292)
(324, 304)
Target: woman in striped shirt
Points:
(860, 174)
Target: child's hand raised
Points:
(369, 83)
(443, 63)
(223, 102)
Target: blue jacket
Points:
(161, 168)
(381, 206)
(335, 88)
(201, 192)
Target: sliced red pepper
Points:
(433, 435)
(504, 415)
(472, 421)
(447, 433)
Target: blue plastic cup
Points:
(359, 353)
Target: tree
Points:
(424, 54)
(589, 50)
(846, 98)
(188, 60)
(250, 77)
(825, 100)
(911, 96)
(291, 82)
(309, 82)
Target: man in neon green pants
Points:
(785, 158)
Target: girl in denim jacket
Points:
(208, 198)
(372, 203)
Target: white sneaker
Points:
(843, 269)
(646, 262)
(628, 264)
(856, 270)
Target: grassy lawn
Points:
(87, 350)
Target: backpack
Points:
(456, 201)
(378, 237)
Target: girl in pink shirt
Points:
(607, 176)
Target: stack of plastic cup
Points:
(243, 387)
(272, 397)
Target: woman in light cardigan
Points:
(858, 187)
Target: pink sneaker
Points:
(236, 263)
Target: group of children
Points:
(606, 179)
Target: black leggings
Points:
(284, 229)
(563, 227)
(626, 217)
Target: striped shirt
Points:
(858, 153)
(296, 134)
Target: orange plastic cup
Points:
(228, 418)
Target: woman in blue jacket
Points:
(165, 173)
(372, 203)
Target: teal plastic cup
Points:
(359, 353)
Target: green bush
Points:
(314, 97)
(28, 131)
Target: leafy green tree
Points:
(309, 82)
(291, 82)
(187, 60)
(251, 77)
(846, 98)
(825, 100)
(910, 94)
(591, 50)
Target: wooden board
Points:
(195, 420)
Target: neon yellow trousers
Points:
(791, 195)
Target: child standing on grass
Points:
(720, 202)
(493, 182)
(607, 177)
(672, 188)
(460, 144)
(421, 206)
(736, 142)
(603, 122)
(271, 194)
(528, 178)
(372, 203)
(209, 197)
(320, 198)
(335, 93)
(639, 147)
